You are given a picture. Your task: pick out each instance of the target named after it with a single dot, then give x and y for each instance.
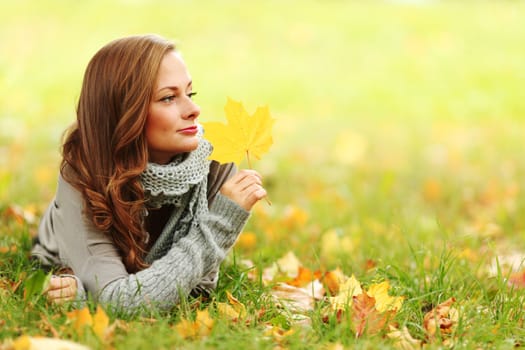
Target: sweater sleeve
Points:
(188, 262)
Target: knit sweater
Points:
(190, 262)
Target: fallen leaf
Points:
(333, 280)
(402, 339)
(199, 328)
(441, 318)
(293, 217)
(11, 249)
(42, 343)
(100, 322)
(243, 135)
(365, 317)
(384, 302)
(247, 240)
(349, 289)
(304, 277)
(293, 298)
(278, 334)
(288, 266)
(82, 320)
(233, 311)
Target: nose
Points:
(193, 111)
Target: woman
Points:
(141, 215)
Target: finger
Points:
(252, 195)
(248, 181)
(54, 283)
(64, 293)
(242, 174)
(59, 282)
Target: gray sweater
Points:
(67, 237)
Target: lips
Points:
(189, 130)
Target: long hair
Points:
(105, 151)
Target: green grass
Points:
(398, 126)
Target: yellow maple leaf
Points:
(243, 136)
(384, 302)
(232, 311)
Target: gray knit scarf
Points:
(183, 183)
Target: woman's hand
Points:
(244, 188)
(61, 289)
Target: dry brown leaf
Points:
(293, 298)
(366, 318)
(442, 318)
(402, 339)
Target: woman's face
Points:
(171, 126)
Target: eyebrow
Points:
(175, 88)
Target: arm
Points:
(196, 257)
(183, 267)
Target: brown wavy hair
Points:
(105, 150)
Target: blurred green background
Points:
(419, 87)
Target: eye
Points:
(167, 99)
(191, 94)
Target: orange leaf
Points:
(247, 240)
(333, 280)
(304, 276)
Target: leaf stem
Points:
(250, 167)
